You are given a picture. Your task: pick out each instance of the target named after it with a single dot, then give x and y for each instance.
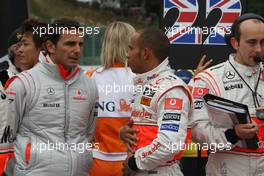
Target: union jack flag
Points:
(182, 31)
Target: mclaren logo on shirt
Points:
(230, 74)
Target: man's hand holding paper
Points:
(246, 131)
(233, 116)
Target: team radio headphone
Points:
(235, 26)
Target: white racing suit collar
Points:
(246, 70)
(55, 70)
(142, 79)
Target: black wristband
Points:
(132, 163)
(231, 136)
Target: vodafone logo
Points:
(200, 92)
(173, 103)
(79, 95)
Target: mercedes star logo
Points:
(230, 74)
(50, 91)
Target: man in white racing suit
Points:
(160, 109)
(53, 110)
(240, 79)
(6, 150)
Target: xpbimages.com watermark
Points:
(212, 31)
(88, 30)
(117, 88)
(212, 147)
(176, 147)
(79, 147)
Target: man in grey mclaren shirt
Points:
(53, 106)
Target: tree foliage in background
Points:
(256, 6)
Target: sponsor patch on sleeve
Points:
(199, 92)
(171, 116)
(149, 92)
(173, 104)
(169, 127)
(198, 104)
(145, 101)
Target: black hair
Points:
(30, 26)
(156, 40)
(235, 28)
(58, 26)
